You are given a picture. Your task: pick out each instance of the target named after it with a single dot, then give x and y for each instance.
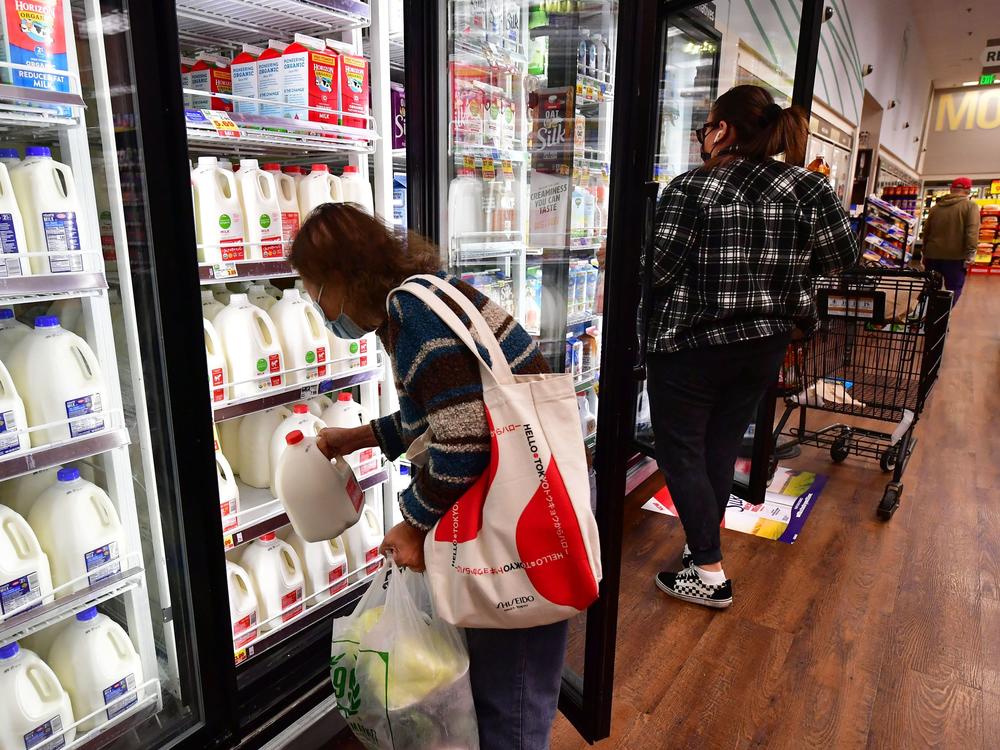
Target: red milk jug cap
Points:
(294, 437)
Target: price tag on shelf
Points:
(469, 162)
(591, 92)
(489, 170)
(222, 123)
(224, 271)
(308, 391)
(579, 87)
(507, 169)
(227, 541)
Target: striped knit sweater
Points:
(439, 386)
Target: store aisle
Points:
(862, 634)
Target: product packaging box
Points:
(311, 78)
(354, 91)
(212, 75)
(398, 95)
(399, 200)
(34, 34)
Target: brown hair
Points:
(763, 128)
(341, 240)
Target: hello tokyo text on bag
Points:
(520, 548)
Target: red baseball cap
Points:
(963, 183)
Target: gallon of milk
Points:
(70, 313)
(288, 201)
(318, 188)
(218, 371)
(261, 211)
(98, 666)
(35, 707)
(20, 493)
(41, 640)
(78, 527)
(325, 567)
(357, 189)
(320, 495)
(229, 492)
(229, 436)
(346, 412)
(317, 404)
(273, 290)
(465, 204)
(218, 217)
(50, 209)
(58, 377)
(252, 347)
(11, 331)
(302, 335)
(278, 581)
(255, 445)
(210, 306)
(350, 353)
(300, 419)
(12, 417)
(257, 294)
(25, 579)
(243, 610)
(13, 243)
(10, 157)
(361, 543)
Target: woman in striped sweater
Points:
(349, 263)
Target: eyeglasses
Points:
(702, 132)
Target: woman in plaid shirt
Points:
(737, 243)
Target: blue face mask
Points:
(343, 327)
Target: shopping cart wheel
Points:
(888, 460)
(841, 448)
(890, 500)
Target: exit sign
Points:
(987, 79)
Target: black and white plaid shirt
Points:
(735, 249)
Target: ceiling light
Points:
(970, 83)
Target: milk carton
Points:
(210, 306)
(98, 666)
(33, 33)
(278, 581)
(243, 610)
(58, 377)
(255, 433)
(229, 493)
(78, 527)
(13, 243)
(288, 202)
(25, 577)
(356, 189)
(325, 566)
(261, 211)
(270, 80)
(300, 419)
(46, 195)
(35, 710)
(302, 335)
(361, 543)
(218, 371)
(218, 216)
(212, 75)
(354, 91)
(317, 188)
(311, 78)
(186, 64)
(12, 417)
(244, 76)
(252, 347)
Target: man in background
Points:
(951, 234)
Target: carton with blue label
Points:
(33, 33)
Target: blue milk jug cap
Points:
(68, 474)
(88, 614)
(9, 153)
(6, 313)
(38, 151)
(9, 651)
(46, 321)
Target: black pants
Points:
(701, 401)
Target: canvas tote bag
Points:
(520, 548)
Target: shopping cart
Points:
(875, 355)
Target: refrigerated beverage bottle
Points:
(78, 527)
(239, 287)
(210, 306)
(257, 294)
(98, 666)
(20, 493)
(41, 640)
(601, 64)
(12, 417)
(592, 45)
(10, 157)
(288, 202)
(320, 495)
(58, 377)
(255, 445)
(357, 189)
(70, 314)
(317, 404)
(278, 582)
(590, 296)
(25, 577)
(50, 209)
(589, 204)
(229, 492)
(465, 204)
(35, 707)
(361, 543)
(270, 81)
(252, 346)
(11, 331)
(589, 360)
(577, 219)
(229, 436)
(344, 412)
(582, 51)
(325, 566)
(218, 217)
(221, 293)
(218, 371)
(14, 260)
(300, 285)
(297, 174)
(302, 335)
(300, 419)
(244, 74)
(317, 188)
(244, 612)
(273, 290)
(505, 216)
(261, 211)
(588, 422)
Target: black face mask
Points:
(705, 155)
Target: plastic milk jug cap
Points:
(9, 651)
(248, 164)
(300, 409)
(46, 321)
(87, 614)
(69, 474)
(344, 396)
(38, 151)
(293, 437)
(9, 153)
(268, 537)
(208, 161)
(272, 166)
(319, 168)
(350, 169)
(6, 314)
(294, 169)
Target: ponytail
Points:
(763, 129)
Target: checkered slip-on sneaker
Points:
(686, 557)
(687, 585)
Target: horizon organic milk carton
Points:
(354, 90)
(311, 76)
(212, 74)
(34, 34)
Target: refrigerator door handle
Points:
(649, 191)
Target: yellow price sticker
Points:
(227, 541)
(489, 170)
(507, 168)
(469, 162)
(222, 123)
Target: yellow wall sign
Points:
(968, 110)
(995, 187)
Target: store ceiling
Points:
(953, 35)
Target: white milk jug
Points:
(321, 496)
(313, 408)
(58, 377)
(361, 543)
(300, 285)
(261, 212)
(243, 610)
(98, 666)
(346, 412)
(50, 209)
(218, 217)
(25, 580)
(210, 306)
(14, 260)
(41, 640)
(325, 566)
(78, 527)
(20, 493)
(302, 335)
(288, 201)
(252, 347)
(257, 294)
(465, 205)
(12, 417)
(11, 331)
(317, 404)
(300, 419)
(255, 445)
(356, 189)
(70, 313)
(273, 290)
(229, 492)
(278, 582)
(229, 436)
(218, 370)
(10, 157)
(351, 353)
(35, 707)
(317, 188)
